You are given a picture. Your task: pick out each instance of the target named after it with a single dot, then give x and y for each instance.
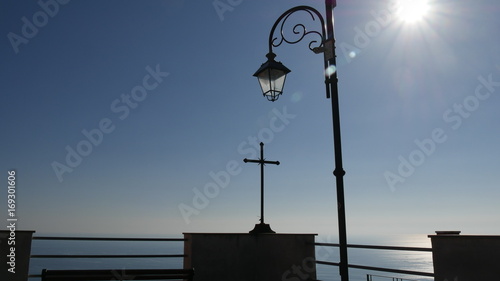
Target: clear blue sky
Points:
(157, 98)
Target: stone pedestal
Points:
(250, 257)
(15, 251)
(465, 257)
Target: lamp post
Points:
(272, 74)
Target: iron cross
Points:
(261, 161)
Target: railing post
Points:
(451, 251)
(15, 252)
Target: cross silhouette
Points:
(262, 228)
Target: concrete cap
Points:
(448, 232)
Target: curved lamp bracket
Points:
(298, 29)
(299, 32)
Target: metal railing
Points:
(369, 277)
(374, 268)
(104, 256)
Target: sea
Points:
(406, 260)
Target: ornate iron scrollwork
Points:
(298, 29)
(301, 32)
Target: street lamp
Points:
(272, 76)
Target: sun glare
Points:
(412, 10)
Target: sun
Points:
(412, 11)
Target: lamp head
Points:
(271, 76)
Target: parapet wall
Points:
(247, 257)
(15, 251)
(465, 257)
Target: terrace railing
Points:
(364, 267)
(104, 256)
(373, 277)
(382, 269)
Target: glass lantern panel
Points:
(278, 80)
(264, 82)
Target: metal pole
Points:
(339, 170)
(262, 183)
(331, 92)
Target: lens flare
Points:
(330, 70)
(296, 97)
